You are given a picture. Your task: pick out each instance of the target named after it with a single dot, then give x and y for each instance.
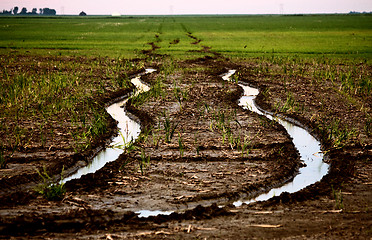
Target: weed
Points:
(126, 162)
(169, 128)
(42, 136)
(139, 99)
(49, 190)
(155, 139)
(335, 133)
(99, 125)
(207, 108)
(197, 147)
(221, 122)
(280, 151)
(144, 134)
(368, 126)
(266, 93)
(234, 142)
(128, 146)
(290, 104)
(337, 195)
(157, 89)
(122, 81)
(179, 95)
(144, 161)
(245, 149)
(235, 78)
(180, 145)
(2, 158)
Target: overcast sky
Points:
(138, 7)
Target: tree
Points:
(42, 11)
(23, 11)
(5, 12)
(82, 13)
(48, 11)
(15, 10)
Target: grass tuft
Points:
(50, 191)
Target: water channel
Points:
(128, 130)
(307, 145)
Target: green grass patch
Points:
(239, 36)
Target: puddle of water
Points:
(228, 75)
(149, 213)
(140, 86)
(128, 130)
(307, 145)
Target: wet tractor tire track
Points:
(100, 181)
(314, 190)
(342, 163)
(147, 120)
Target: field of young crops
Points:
(241, 36)
(197, 146)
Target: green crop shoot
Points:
(48, 189)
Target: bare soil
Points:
(198, 170)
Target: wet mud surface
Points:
(199, 169)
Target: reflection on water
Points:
(128, 130)
(149, 213)
(307, 145)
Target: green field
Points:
(348, 36)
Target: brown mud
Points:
(197, 165)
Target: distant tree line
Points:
(353, 12)
(42, 11)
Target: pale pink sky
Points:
(136, 7)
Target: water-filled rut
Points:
(129, 130)
(307, 145)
